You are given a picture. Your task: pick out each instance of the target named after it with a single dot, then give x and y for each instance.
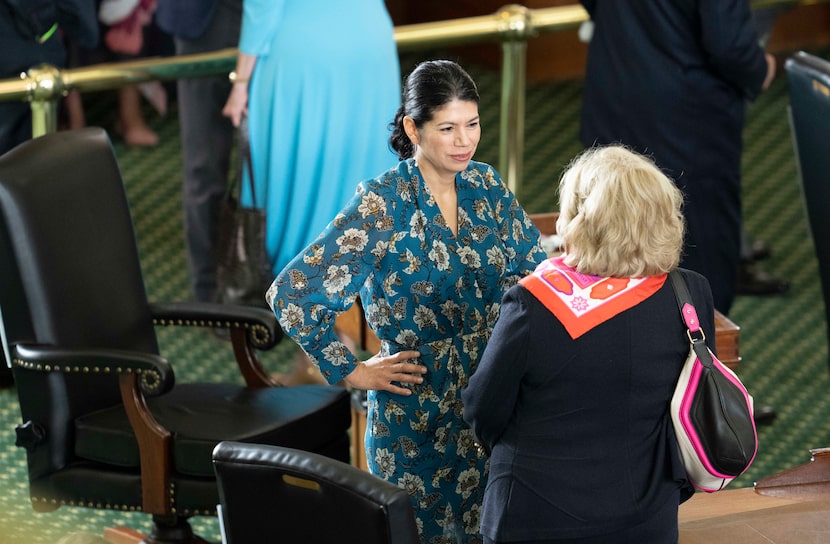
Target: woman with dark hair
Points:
(430, 246)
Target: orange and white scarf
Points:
(581, 302)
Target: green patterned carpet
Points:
(783, 339)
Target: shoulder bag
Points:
(243, 272)
(711, 410)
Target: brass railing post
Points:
(44, 117)
(45, 86)
(511, 125)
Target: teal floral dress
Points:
(425, 289)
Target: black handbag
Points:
(243, 272)
(711, 410)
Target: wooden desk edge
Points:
(728, 502)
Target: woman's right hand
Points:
(379, 372)
(237, 105)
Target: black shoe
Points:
(752, 281)
(759, 250)
(764, 415)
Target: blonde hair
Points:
(619, 216)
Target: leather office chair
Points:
(104, 422)
(809, 82)
(305, 498)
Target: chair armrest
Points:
(154, 373)
(260, 323)
(251, 329)
(139, 375)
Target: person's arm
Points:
(79, 20)
(325, 279)
(731, 41)
(237, 105)
(492, 391)
(260, 21)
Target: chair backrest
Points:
(809, 83)
(18, 327)
(301, 497)
(69, 274)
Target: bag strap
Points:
(697, 338)
(244, 145)
(245, 156)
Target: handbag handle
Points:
(697, 338)
(245, 160)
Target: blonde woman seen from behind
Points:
(571, 395)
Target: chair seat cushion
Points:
(199, 416)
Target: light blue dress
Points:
(325, 87)
(422, 288)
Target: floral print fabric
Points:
(422, 288)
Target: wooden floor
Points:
(741, 516)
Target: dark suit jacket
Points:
(671, 79)
(77, 19)
(580, 433)
(18, 53)
(186, 19)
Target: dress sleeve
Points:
(325, 279)
(519, 235)
(491, 393)
(260, 20)
(731, 40)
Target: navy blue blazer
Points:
(77, 19)
(186, 19)
(579, 430)
(671, 79)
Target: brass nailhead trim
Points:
(87, 504)
(124, 507)
(151, 379)
(259, 333)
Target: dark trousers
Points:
(713, 235)
(15, 124)
(207, 141)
